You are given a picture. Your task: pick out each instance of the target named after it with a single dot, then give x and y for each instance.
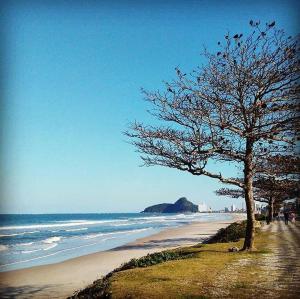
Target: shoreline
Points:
(62, 279)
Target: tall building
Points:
(257, 208)
(233, 208)
(202, 207)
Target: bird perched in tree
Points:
(272, 24)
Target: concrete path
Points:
(283, 264)
(275, 274)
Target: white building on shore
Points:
(202, 207)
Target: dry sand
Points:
(63, 279)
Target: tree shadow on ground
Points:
(26, 291)
(165, 243)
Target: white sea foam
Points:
(52, 240)
(150, 217)
(31, 251)
(61, 224)
(92, 236)
(51, 246)
(19, 234)
(54, 253)
(26, 244)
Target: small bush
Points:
(232, 233)
(260, 217)
(153, 259)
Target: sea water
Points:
(31, 240)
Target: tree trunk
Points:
(248, 180)
(271, 209)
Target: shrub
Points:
(260, 217)
(232, 233)
(154, 258)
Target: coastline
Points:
(62, 279)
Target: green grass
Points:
(190, 278)
(202, 271)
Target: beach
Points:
(60, 280)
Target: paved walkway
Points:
(275, 274)
(283, 264)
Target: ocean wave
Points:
(50, 247)
(76, 229)
(92, 236)
(103, 240)
(123, 224)
(53, 253)
(150, 217)
(49, 243)
(52, 240)
(64, 224)
(25, 244)
(71, 221)
(33, 259)
(31, 251)
(19, 234)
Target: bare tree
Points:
(238, 107)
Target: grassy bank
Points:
(202, 271)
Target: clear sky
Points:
(73, 72)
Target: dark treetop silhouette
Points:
(239, 107)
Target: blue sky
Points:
(73, 73)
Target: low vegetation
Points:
(155, 258)
(232, 233)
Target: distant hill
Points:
(182, 205)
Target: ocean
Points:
(31, 240)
